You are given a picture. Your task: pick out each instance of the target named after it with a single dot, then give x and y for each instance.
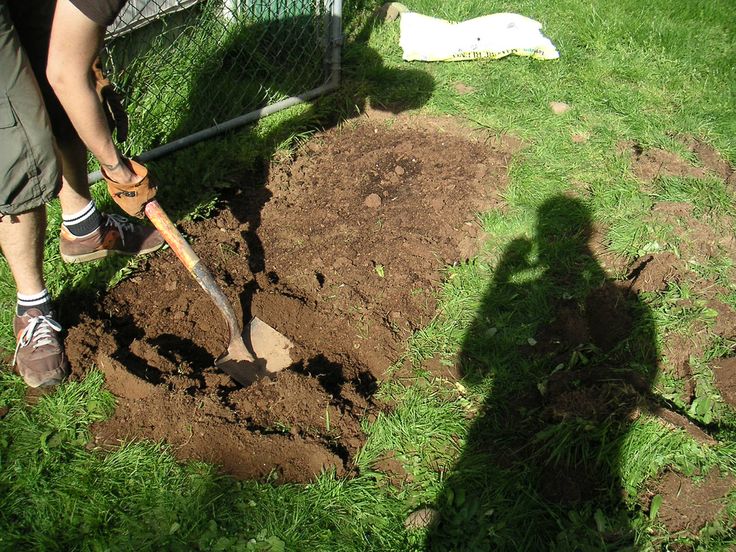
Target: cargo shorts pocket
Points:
(18, 167)
(7, 117)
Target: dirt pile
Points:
(686, 506)
(340, 248)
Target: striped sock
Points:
(40, 301)
(84, 222)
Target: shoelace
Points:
(122, 225)
(38, 332)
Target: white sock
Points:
(40, 301)
(83, 222)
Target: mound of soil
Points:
(340, 248)
(687, 506)
(653, 163)
(724, 373)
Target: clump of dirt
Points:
(393, 470)
(346, 280)
(651, 164)
(724, 372)
(688, 505)
(725, 324)
(654, 272)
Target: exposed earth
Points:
(340, 248)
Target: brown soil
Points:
(654, 272)
(392, 469)
(650, 164)
(725, 376)
(345, 279)
(688, 505)
(699, 238)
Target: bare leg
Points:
(74, 194)
(22, 239)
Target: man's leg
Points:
(39, 356)
(74, 194)
(76, 41)
(21, 241)
(87, 234)
(30, 178)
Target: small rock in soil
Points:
(463, 89)
(421, 519)
(558, 108)
(373, 201)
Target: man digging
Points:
(50, 115)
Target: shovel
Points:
(269, 350)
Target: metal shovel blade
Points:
(271, 350)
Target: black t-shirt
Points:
(102, 12)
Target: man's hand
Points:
(112, 105)
(132, 197)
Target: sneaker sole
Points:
(102, 253)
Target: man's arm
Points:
(75, 43)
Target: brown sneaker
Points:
(115, 235)
(39, 355)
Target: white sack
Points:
(494, 36)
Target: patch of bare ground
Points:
(654, 273)
(392, 469)
(649, 164)
(724, 372)
(688, 505)
(298, 246)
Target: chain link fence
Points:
(190, 69)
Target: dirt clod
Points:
(373, 201)
(558, 108)
(724, 372)
(687, 505)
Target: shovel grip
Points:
(192, 263)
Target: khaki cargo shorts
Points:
(29, 171)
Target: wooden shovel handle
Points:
(193, 264)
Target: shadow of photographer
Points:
(568, 357)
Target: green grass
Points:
(631, 71)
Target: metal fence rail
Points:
(192, 69)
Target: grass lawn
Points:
(644, 83)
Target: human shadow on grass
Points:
(568, 356)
